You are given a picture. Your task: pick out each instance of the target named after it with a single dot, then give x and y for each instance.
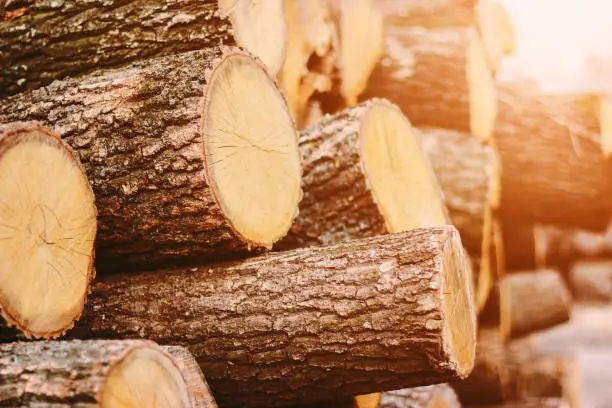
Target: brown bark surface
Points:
(60, 374)
(433, 396)
(568, 179)
(538, 300)
(41, 41)
(200, 394)
(137, 130)
(488, 382)
(358, 317)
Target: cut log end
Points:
(255, 24)
(458, 308)
(145, 377)
(398, 173)
(251, 150)
(47, 230)
(482, 92)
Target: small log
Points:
(555, 141)
(364, 316)
(438, 77)
(200, 394)
(41, 41)
(101, 373)
(591, 281)
(488, 382)
(47, 231)
(364, 175)
(538, 300)
(433, 396)
(146, 134)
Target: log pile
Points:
(286, 203)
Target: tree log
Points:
(591, 281)
(364, 175)
(538, 300)
(47, 230)
(438, 77)
(147, 132)
(41, 41)
(90, 374)
(488, 382)
(364, 316)
(555, 142)
(200, 394)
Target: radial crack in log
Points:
(47, 231)
(285, 328)
(108, 374)
(364, 175)
(147, 132)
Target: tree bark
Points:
(438, 77)
(138, 131)
(344, 197)
(538, 300)
(42, 41)
(88, 374)
(488, 382)
(433, 396)
(200, 394)
(557, 146)
(47, 230)
(364, 316)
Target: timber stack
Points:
(240, 203)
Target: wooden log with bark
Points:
(148, 132)
(364, 316)
(364, 175)
(538, 300)
(41, 41)
(555, 141)
(47, 231)
(132, 373)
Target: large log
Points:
(90, 373)
(538, 300)
(364, 175)
(438, 77)
(41, 41)
(47, 231)
(364, 316)
(555, 141)
(146, 134)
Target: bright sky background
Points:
(563, 44)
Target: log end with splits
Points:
(111, 374)
(252, 158)
(47, 231)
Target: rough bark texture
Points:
(538, 301)
(137, 132)
(59, 374)
(200, 394)
(488, 382)
(424, 73)
(41, 41)
(591, 281)
(290, 327)
(468, 174)
(433, 396)
(569, 177)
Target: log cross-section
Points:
(374, 314)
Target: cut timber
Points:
(488, 16)
(538, 300)
(591, 281)
(488, 382)
(364, 175)
(433, 396)
(47, 231)
(109, 374)
(364, 316)
(44, 41)
(555, 141)
(199, 391)
(147, 132)
(438, 77)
